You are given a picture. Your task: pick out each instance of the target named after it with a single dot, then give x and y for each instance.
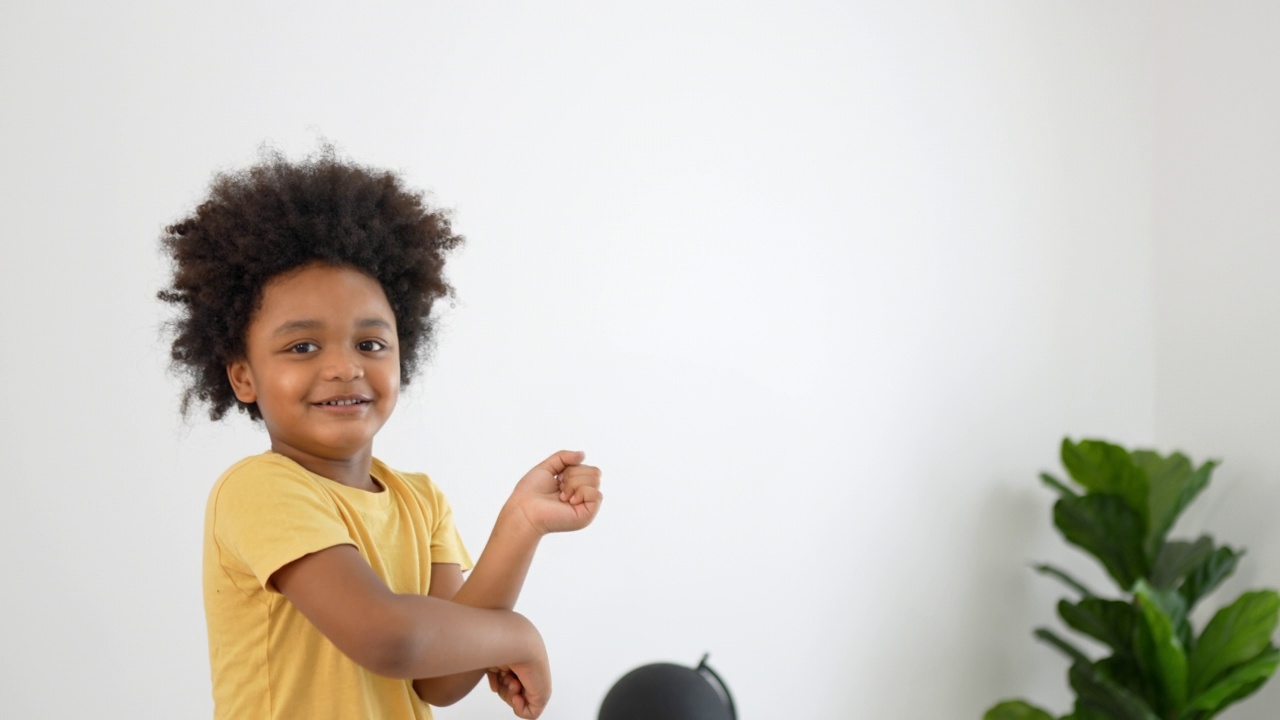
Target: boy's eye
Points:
(371, 345)
(303, 347)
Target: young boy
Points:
(333, 584)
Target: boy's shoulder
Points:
(417, 481)
(263, 465)
(270, 472)
(258, 479)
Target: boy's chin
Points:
(346, 444)
(333, 446)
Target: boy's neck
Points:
(354, 471)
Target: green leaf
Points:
(1160, 652)
(1244, 692)
(1177, 559)
(1123, 670)
(1237, 633)
(1204, 579)
(1173, 485)
(1100, 698)
(1066, 648)
(1016, 710)
(1237, 696)
(1047, 569)
(1109, 621)
(1058, 485)
(1107, 528)
(1102, 467)
(1239, 683)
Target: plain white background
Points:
(819, 285)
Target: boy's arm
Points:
(488, 586)
(559, 494)
(411, 636)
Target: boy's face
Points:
(322, 363)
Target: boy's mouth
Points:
(343, 401)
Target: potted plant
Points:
(1159, 667)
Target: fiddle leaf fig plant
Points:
(1119, 507)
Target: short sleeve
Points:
(446, 542)
(265, 516)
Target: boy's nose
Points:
(344, 367)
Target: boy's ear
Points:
(241, 381)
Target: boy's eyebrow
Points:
(297, 325)
(374, 322)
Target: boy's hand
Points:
(526, 687)
(506, 683)
(559, 494)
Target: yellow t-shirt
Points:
(268, 660)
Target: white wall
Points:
(819, 285)
(1217, 336)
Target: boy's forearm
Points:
(494, 583)
(448, 689)
(440, 638)
(498, 576)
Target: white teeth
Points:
(340, 402)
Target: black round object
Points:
(666, 691)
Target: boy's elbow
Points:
(393, 657)
(395, 649)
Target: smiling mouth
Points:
(342, 403)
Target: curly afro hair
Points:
(277, 216)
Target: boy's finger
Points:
(561, 460)
(586, 495)
(581, 475)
